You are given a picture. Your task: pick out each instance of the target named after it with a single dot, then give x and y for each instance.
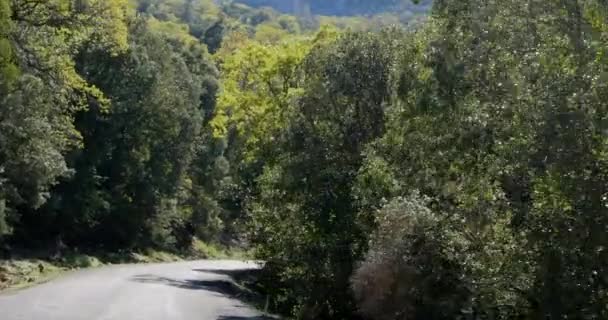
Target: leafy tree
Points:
(38, 38)
(258, 84)
(499, 136)
(303, 214)
(8, 69)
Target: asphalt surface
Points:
(197, 290)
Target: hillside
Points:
(341, 7)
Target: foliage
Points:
(497, 121)
(505, 139)
(90, 126)
(342, 7)
(8, 70)
(258, 83)
(302, 212)
(413, 268)
(454, 168)
(41, 90)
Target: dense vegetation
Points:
(104, 140)
(342, 7)
(454, 168)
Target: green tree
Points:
(505, 139)
(304, 214)
(128, 179)
(37, 103)
(8, 68)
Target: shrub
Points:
(411, 270)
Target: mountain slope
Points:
(341, 7)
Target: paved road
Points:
(178, 291)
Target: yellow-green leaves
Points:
(5, 16)
(8, 70)
(269, 33)
(172, 30)
(258, 84)
(110, 23)
(261, 81)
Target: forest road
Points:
(196, 290)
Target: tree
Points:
(303, 213)
(8, 69)
(504, 139)
(128, 163)
(41, 91)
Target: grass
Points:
(79, 261)
(24, 271)
(15, 274)
(203, 250)
(152, 256)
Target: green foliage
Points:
(506, 140)
(497, 121)
(77, 261)
(342, 7)
(32, 136)
(413, 269)
(452, 170)
(90, 156)
(303, 214)
(9, 71)
(202, 18)
(40, 91)
(154, 115)
(258, 83)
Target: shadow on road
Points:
(244, 277)
(225, 287)
(238, 274)
(244, 318)
(225, 272)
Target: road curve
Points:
(178, 291)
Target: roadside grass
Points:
(204, 250)
(28, 269)
(16, 274)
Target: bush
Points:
(76, 260)
(204, 250)
(411, 270)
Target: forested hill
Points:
(342, 7)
